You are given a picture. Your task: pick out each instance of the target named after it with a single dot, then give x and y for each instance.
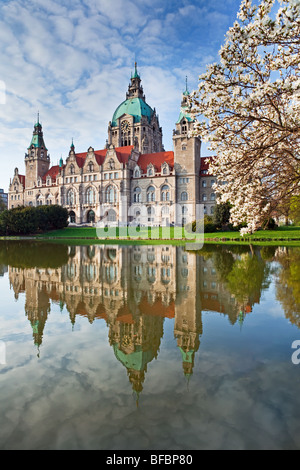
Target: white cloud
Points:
(72, 60)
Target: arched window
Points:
(184, 196)
(165, 193)
(204, 197)
(165, 170)
(212, 197)
(90, 196)
(137, 173)
(110, 195)
(91, 216)
(151, 194)
(150, 213)
(72, 169)
(72, 217)
(70, 197)
(91, 167)
(137, 194)
(111, 216)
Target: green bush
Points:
(222, 214)
(209, 226)
(30, 220)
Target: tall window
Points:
(110, 195)
(91, 167)
(165, 193)
(184, 196)
(137, 195)
(151, 194)
(90, 196)
(72, 169)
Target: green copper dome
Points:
(136, 360)
(135, 107)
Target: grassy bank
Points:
(174, 235)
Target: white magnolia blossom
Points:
(248, 109)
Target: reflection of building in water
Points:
(188, 322)
(3, 269)
(133, 288)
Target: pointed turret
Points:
(135, 89)
(37, 140)
(37, 160)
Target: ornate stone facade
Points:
(132, 180)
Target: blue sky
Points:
(72, 60)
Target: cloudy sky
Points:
(72, 60)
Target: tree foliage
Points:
(251, 108)
(221, 215)
(31, 220)
(294, 212)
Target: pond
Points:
(149, 347)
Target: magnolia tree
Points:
(248, 109)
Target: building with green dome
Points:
(135, 121)
(132, 180)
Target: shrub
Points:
(29, 220)
(222, 214)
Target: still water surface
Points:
(149, 347)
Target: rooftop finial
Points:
(186, 91)
(135, 75)
(38, 117)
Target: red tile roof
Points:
(52, 172)
(123, 154)
(157, 159)
(204, 165)
(22, 180)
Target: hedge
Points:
(31, 220)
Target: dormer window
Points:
(150, 170)
(137, 173)
(165, 170)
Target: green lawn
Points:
(156, 235)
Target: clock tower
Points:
(134, 122)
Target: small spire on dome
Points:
(186, 92)
(135, 75)
(72, 144)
